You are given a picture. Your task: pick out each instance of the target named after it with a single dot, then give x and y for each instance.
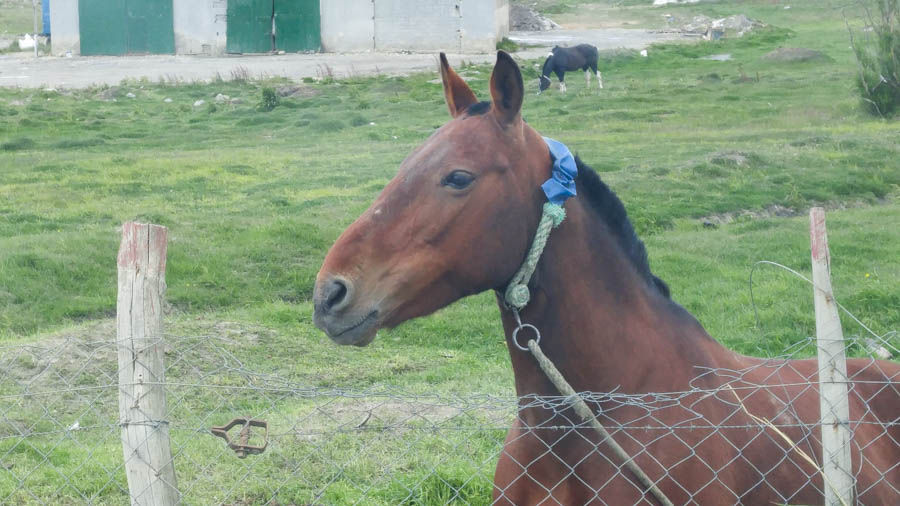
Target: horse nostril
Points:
(336, 295)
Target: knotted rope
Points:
(517, 296)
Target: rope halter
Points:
(558, 188)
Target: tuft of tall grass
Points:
(878, 55)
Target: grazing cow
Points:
(564, 59)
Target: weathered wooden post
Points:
(833, 396)
(142, 395)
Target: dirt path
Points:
(22, 70)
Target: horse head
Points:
(544, 83)
(544, 80)
(455, 220)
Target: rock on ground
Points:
(736, 25)
(525, 19)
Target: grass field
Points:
(17, 17)
(253, 200)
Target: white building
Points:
(214, 27)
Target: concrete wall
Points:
(481, 24)
(347, 25)
(420, 25)
(501, 15)
(64, 20)
(199, 26)
(413, 25)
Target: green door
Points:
(117, 27)
(249, 28)
(101, 26)
(149, 27)
(297, 25)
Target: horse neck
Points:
(601, 323)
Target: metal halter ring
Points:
(537, 334)
(515, 334)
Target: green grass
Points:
(254, 198)
(16, 17)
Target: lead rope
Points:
(517, 296)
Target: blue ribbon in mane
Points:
(561, 184)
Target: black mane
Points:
(608, 205)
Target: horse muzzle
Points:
(339, 316)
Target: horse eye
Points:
(458, 179)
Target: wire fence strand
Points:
(60, 434)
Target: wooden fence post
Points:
(833, 395)
(142, 394)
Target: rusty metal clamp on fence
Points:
(242, 448)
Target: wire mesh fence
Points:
(61, 435)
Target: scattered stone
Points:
(713, 29)
(17, 102)
(525, 19)
(167, 100)
(221, 99)
(717, 57)
(667, 2)
(236, 101)
(644, 53)
(199, 103)
(795, 54)
(130, 95)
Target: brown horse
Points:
(458, 219)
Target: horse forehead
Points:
(461, 141)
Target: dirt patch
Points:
(733, 158)
(525, 19)
(294, 91)
(108, 94)
(795, 54)
(87, 354)
(774, 210)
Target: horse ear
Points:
(458, 94)
(507, 90)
